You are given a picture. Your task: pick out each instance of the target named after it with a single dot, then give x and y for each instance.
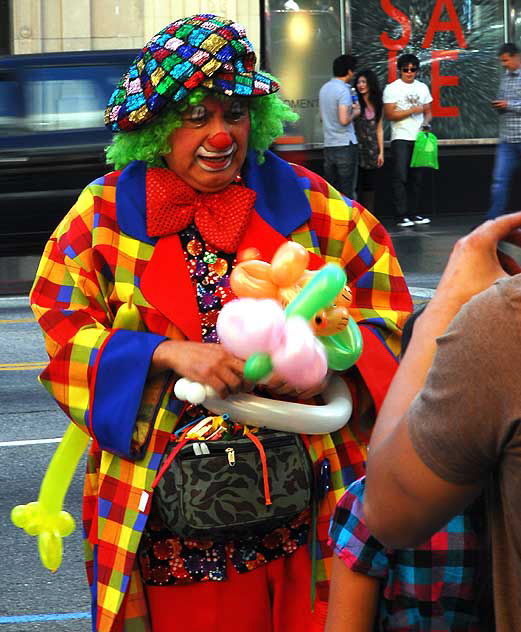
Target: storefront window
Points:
(302, 39)
(455, 40)
(515, 14)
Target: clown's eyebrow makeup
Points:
(234, 112)
(237, 110)
(196, 114)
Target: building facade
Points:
(38, 26)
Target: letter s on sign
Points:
(403, 21)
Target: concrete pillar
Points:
(26, 20)
(76, 25)
(159, 13)
(117, 24)
(52, 26)
(44, 25)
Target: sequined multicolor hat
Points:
(202, 50)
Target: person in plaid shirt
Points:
(194, 186)
(508, 106)
(433, 587)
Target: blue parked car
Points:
(52, 137)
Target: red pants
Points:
(272, 598)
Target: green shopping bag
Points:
(425, 152)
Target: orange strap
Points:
(265, 478)
(169, 460)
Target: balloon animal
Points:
(257, 329)
(283, 279)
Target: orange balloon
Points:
(250, 279)
(248, 254)
(288, 264)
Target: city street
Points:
(31, 424)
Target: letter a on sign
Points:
(436, 24)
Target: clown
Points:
(194, 185)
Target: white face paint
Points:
(215, 160)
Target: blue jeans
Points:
(341, 168)
(508, 157)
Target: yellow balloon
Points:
(18, 516)
(45, 517)
(66, 524)
(51, 549)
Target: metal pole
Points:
(508, 21)
(345, 26)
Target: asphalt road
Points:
(33, 599)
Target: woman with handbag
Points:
(196, 186)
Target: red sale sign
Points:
(443, 18)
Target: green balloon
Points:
(343, 349)
(319, 293)
(257, 366)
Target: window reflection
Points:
(516, 20)
(302, 42)
(456, 43)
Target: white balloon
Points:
(180, 388)
(254, 410)
(193, 392)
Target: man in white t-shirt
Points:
(407, 105)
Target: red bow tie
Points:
(173, 205)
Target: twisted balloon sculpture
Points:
(313, 333)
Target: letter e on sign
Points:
(438, 81)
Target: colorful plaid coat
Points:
(97, 258)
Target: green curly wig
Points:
(268, 114)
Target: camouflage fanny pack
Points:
(222, 489)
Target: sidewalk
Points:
(423, 252)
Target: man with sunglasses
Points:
(407, 105)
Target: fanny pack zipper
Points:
(272, 442)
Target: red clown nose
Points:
(221, 140)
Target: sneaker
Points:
(404, 222)
(419, 220)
